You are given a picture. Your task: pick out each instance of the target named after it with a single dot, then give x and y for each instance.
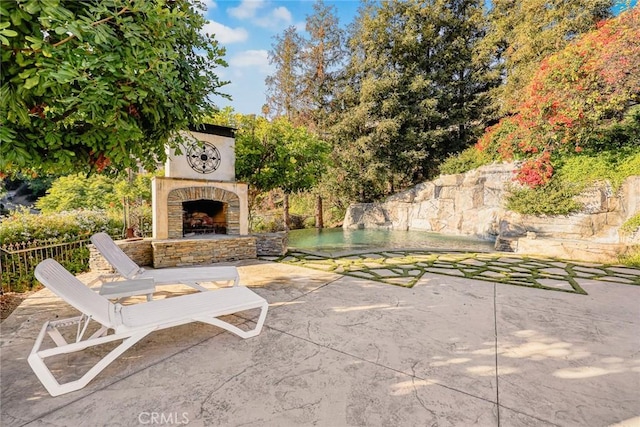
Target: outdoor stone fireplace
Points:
(200, 212)
(199, 194)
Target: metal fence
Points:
(18, 260)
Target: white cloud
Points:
(210, 4)
(282, 13)
(224, 34)
(246, 9)
(279, 17)
(276, 18)
(255, 59)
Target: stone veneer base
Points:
(186, 252)
(195, 251)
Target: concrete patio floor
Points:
(347, 351)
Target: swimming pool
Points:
(339, 240)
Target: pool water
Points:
(339, 240)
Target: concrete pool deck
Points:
(340, 350)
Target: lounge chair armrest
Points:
(128, 288)
(103, 277)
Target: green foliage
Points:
(324, 53)
(128, 198)
(304, 204)
(275, 154)
(522, 33)
(414, 92)
(468, 159)
(79, 191)
(632, 224)
(617, 135)
(23, 226)
(612, 166)
(266, 224)
(579, 99)
(554, 198)
(303, 84)
(632, 259)
(93, 84)
(284, 86)
(78, 260)
(135, 187)
(18, 273)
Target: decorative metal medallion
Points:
(203, 157)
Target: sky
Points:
(246, 28)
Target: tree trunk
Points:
(285, 211)
(319, 218)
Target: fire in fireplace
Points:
(204, 217)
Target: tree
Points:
(414, 91)
(574, 98)
(92, 84)
(126, 198)
(300, 159)
(523, 32)
(275, 154)
(77, 192)
(284, 87)
(322, 56)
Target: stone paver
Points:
(540, 273)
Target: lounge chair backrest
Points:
(64, 284)
(114, 255)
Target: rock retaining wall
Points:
(473, 204)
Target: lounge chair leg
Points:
(36, 359)
(234, 329)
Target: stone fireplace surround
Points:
(170, 193)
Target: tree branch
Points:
(95, 24)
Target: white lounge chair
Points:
(190, 276)
(129, 323)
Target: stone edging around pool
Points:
(406, 267)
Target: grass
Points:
(406, 268)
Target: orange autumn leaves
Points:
(584, 87)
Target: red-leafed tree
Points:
(586, 87)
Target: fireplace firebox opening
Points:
(204, 217)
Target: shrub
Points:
(466, 160)
(22, 226)
(579, 99)
(613, 166)
(535, 172)
(632, 259)
(309, 222)
(266, 224)
(553, 198)
(77, 191)
(632, 224)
